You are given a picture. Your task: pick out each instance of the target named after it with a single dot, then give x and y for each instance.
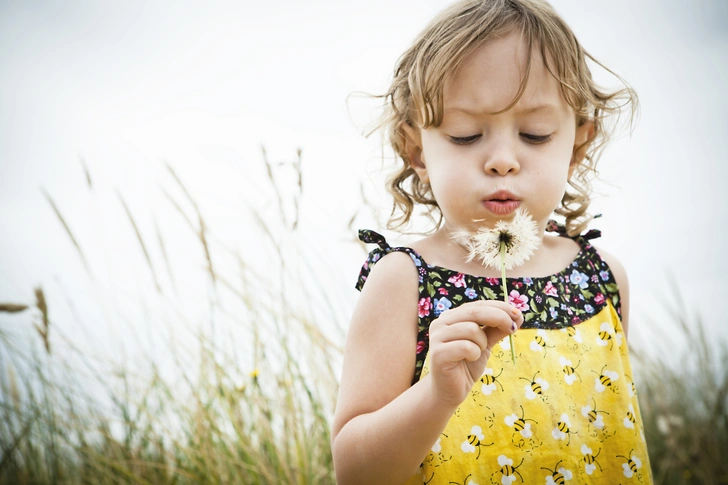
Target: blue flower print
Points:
(528, 281)
(553, 311)
(441, 304)
(604, 275)
(588, 308)
(416, 260)
(580, 279)
(471, 293)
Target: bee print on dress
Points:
(569, 370)
(575, 339)
(629, 420)
(540, 342)
(502, 352)
(467, 481)
(605, 380)
(595, 419)
(590, 460)
(631, 388)
(535, 387)
(507, 471)
(490, 382)
(608, 335)
(521, 427)
(563, 431)
(558, 476)
(631, 468)
(436, 457)
(422, 473)
(474, 441)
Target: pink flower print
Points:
(442, 291)
(458, 280)
(424, 307)
(493, 281)
(550, 289)
(517, 300)
(420, 346)
(599, 299)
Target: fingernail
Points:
(513, 327)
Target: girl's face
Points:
(483, 166)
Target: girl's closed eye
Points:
(529, 137)
(464, 140)
(536, 139)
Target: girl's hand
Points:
(461, 340)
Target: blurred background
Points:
(139, 138)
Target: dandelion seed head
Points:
(520, 237)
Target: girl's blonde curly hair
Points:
(415, 96)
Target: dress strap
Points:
(370, 237)
(560, 229)
(606, 278)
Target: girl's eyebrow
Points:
(522, 110)
(547, 108)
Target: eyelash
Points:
(534, 139)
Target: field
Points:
(257, 410)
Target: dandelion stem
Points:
(505, 292)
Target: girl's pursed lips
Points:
(501, 202)
(500, 195)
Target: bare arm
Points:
(383, 428)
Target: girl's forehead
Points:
(489, 79)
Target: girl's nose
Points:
(501, 159)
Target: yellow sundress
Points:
(567, 412)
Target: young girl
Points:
(492, 109)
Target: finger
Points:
(515, 314)
(455, 351)
(488, 314)
(463, 331)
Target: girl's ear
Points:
(585, 134)
(413, 150)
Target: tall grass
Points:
(256, 410)
(684, 400)
(261, 414)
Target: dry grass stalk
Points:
(43, 330)
(12, 307)
(86, 172)
(163, 250)
(68, 232)
(141, 242)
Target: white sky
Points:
(127, 85)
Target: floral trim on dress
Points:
(561, 300)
